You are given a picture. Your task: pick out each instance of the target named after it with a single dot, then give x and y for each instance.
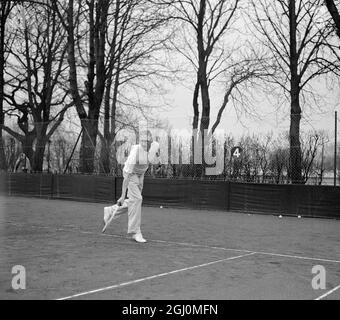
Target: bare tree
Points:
(288, 30)
(319, 166)
(262, 149)
(34, 91)
(203, 25)
(309, 148)
(133, 63)
(6, 7)
(86, 25)
(279, 163)
(206, 22)
(105, 40)
(312, 160)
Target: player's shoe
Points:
(138, 237)
(109, 213)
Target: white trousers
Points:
(133, 205)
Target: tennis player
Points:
(137, 163)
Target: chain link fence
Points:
(257, 159)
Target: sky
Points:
(269, 119)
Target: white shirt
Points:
(139, 159)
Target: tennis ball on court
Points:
(299, 217)
(161, 207)
(280, 216)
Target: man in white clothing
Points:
(134, 169)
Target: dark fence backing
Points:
(304, 200)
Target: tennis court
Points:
(190, 254)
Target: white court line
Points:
(218, 248)
(153, 277)
(297, 257)
(328, 293)
(74, 228)
(227, 249)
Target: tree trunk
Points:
(89, 124)
(195, 105)
(104, 151)
(38, 156)
(114, 163)
(294, 139)
(96, 71)
(88, 145)
(295, 111)
(195, 122)
(3, 165)
(205, 118)
(27, 147)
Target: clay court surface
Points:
(190, 254)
